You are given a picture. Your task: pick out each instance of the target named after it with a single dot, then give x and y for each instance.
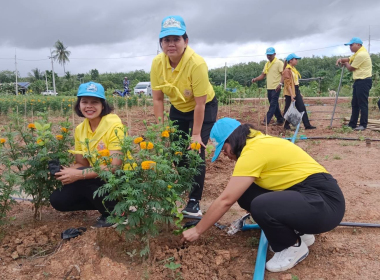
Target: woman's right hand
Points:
(339, 61)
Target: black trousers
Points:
(274, 107)
(299, 105)
(80, 196)
(359, 102)
(185, 122)
(313, 206)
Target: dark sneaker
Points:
(359, 128)
(310, 127)
(192, 208)
(102, 222)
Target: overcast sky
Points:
(122, 35)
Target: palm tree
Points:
(61, 54)
(35, 75)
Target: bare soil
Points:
(34, 250)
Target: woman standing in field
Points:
(289, 194)
(99, 127)
(182, 75)
(291, 76)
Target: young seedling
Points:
(173, 267)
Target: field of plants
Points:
(148, 248)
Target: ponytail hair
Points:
(238, 138)
(285, 64)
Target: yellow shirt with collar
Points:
(104, 137)
(274, 74)
(277, 164)
(188, 80)
(363, 65)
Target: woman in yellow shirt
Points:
(291, 76)
(99, 125)
(182, 75)
(289, 194)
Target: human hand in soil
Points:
(68, 175)
(196, 138)
(190, 235)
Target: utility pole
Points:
(52, 69)
(47, 88)
(225, 76)
(369, 39)
(16, 73)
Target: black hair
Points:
(184, 36)
(238, 138)
(107, 108)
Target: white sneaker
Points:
(308, 239)
(287, 258)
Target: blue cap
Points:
(355, 40)
(172, 25)
(270, 51)
(291, 56)
(91, 89)
(221, 130)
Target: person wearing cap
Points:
(291, 77)
(126, 83)
(272, 71)
(360, 65)
(182, 75)
(99, 125)
(289, 195)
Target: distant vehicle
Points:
(49, 92)
(143, 88)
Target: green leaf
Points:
(38, 126)
(46, 126)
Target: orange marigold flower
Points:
(31, 126)
(59, 137)
(138, 140)
(2, 140)
(39, 141)
(178, 153)
(64, 129)
(148, 164)
(104, 153)
(146, 145)
(195, 146)
(165, 134)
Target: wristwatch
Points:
(281, 84)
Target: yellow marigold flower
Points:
(69, 105)
(138, 140)
(104, 153)
(31, 126)
(2, 140)
(148, 164)
(64, 129)
(39, 141)
(195, 146)
(59, 137)
(165, 134)
(146, 146)
(169, 187)
(178, 153)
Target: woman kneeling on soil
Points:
(287, 192)
(291, 76)
(99, 127)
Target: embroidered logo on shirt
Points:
(92, 88)
(171, 22)
(187, 93)
(101, 146)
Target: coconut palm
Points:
(61, 54)
(35, 75)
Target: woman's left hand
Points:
(190, 235)
(68, 175)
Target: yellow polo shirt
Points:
(277, 164)
(104, 137)
(363, 65)
(274, 74)
(188, 80)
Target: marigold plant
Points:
(151, 182)
(165, 134)
(195, 146)
(138, 140)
